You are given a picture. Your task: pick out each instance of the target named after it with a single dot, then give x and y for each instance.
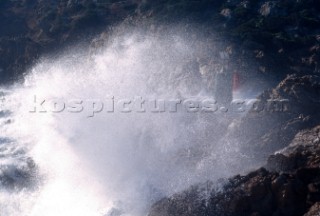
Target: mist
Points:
(115, 162)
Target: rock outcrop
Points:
(288, 186)
(288, 183)
(278, 115)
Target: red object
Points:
(235, 82)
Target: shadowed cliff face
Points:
(282, 36)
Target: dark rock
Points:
(290, 187)
(314, 210)
(262, 132)
(280, 36)
(279, 162)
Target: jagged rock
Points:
(314, 210)
(307, 139)
(264, 131)
(279, 162)
(290, 186)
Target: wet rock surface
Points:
(288, 185)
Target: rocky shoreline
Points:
(277, 40)
(288, 183)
